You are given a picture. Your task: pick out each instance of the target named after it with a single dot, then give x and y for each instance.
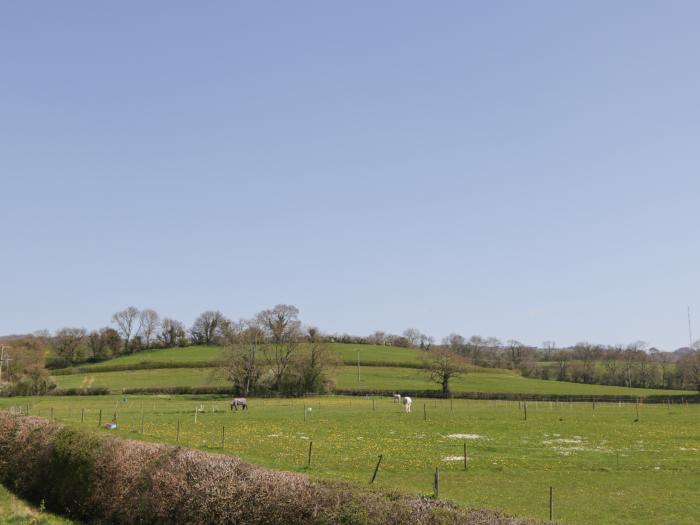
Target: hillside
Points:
(382, 368)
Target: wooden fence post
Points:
(425, 413)
(525, 405)
(376, 469)
(223, 436)
(82, 415)
(465, 455)
(308, 463)
(436, 483)
(551, 504)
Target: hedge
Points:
(603, 398)
(98, 478)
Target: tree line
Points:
(261, 353)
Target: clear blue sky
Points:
(525, 170)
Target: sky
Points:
(522, 170)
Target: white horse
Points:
(407, 404)
(397, 398)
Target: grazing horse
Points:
(397, 398)
(239, 402)
(407, 404)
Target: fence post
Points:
(304, 411)
(308, 463)
(177, 433)
(551, 504)
(436, 483)
(99, 422)
(425, 413)
(376, 469)
(465, 455)
(223, 436)
(525, 405)
(82, 415)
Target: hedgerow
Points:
(98, 478)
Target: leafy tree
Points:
(444, 365)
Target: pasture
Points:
(605, 467)
(203, 354)
(16, 512)
(371, 377)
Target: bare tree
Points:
(206, 329)
(516, 352)
(148, 325)
(474, 347)
(455, 343)
(171, 333)
(283, 331)
(412, 335)
(126, 324)
(443, 366)
(548, 348)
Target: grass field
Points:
(605, 467)
(375, 377)
(15, 511)
(195, 354)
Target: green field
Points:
(15, 511)
(198, 354)
(605, 467)
(374, 377)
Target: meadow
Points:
(607, 463)
(371, 377)
(14, 511)
(202, 354)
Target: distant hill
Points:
(683, 351)
(13, 337)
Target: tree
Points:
(126, 324)
(412, 335)
(171, 333)
(455, 343)
(206, 329)
(67, 343)
(311, 367)
(548, 348)
(148, 326)
(443, 366)
(283, 331)
(516, 352)
(689, 368)
(244, 342)
(111, 340)
(474, 347)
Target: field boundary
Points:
(602, 398)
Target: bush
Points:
(104, 479)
